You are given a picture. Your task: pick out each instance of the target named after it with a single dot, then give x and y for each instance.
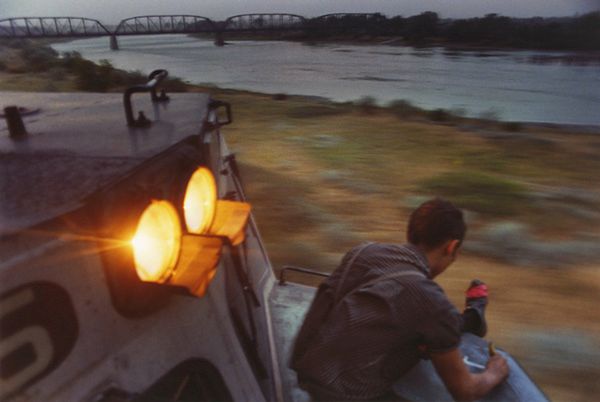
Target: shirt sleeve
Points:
(439, 323)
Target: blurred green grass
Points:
(479, 192)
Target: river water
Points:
(497, 84)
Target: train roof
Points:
(77, 143)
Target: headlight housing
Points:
(205, 215)
(157, 242)
(200, 201)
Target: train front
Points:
(131, 267)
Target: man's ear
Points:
(452, 247)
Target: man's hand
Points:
(498, 367)
(460, 382)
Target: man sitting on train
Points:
(380, 312)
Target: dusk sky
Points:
(111, 11)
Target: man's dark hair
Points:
(435, 222)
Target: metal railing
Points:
(307, 271)
(154, 79)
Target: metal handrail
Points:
(215, 104)
(301, 270)
(154, 79)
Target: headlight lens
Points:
(156, 242)
(199, 201)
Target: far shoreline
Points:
(592, 56)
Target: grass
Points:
(29, 66)
(382, 156)
(312, 111)
(479, 192)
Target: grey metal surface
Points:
(77, 143)
(289, 304)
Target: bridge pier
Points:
(114, 45)
(219, 39)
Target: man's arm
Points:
(464, 385)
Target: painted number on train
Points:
(38, 329)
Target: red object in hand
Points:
(480, 290)
(474, 314)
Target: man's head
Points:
(438, 228)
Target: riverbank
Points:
(323, 176)
(492, 85)
(568, 56)
(495, 31)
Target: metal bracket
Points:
(154, 79)
(215, 104)
(299, 269)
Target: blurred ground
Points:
(325, 177)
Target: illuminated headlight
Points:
(199, 201)
(156, 242)
(205, 215)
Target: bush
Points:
(366, 105)
(512, 126)
(16, 43)
(439, 115)
(57, 74)
(92, 77)
(89, 76)
(403, 109)
(478, 192)
(16, 69)
(175, 85)
(39, 59)
(128, 78)
(70, 60)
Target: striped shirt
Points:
(370, 322)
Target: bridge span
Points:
(165, 24)
(77, 27)
(51, 27)
(264, 22)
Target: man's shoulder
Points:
(384, 255)
(430, 297)
(408, 276)
(429, 286)
(406, 284)
(379, 267)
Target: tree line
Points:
(573, 33)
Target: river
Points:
(505, 85)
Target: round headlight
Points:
(199, 201)
(156, 242)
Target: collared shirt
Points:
(367, 325)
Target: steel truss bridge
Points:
(76, 27)
(51, 27)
